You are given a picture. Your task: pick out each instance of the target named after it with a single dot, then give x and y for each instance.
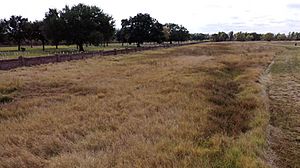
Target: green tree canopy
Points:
(280, 37)
(199, 36)
(256, 36)
(268, 37)
(54, 27)
(221, 36)
(35, 31)
(240, 36)
(231, 36)
(39, 32)
(177, 32)
(294, 36)
(142, 28)
(123, 34)
(81, 22)
(2, 31)
(16, 29)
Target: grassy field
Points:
(192, 106)
(12, 52)
(284, 92)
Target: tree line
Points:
(143, 28)
(245, 36)
(89, 25)
(82, 24)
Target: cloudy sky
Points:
(206, 16)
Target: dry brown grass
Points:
(192, 106)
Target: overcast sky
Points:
(206, 16)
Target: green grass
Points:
(12, 51)
(284, 94)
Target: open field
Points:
(193, 106)
(12, 52)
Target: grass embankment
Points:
(192, 106)
(12, 52)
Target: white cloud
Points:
(206, 16)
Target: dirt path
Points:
(284, 95)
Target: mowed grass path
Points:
(284, 92)
(35, 51)
(192, 106)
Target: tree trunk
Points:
(43, 42)
(138, 44)
(107, 44)
(170, 41)
(31, 44)
(56, 46)
(19, 46)
(81, 48)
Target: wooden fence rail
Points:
(32, 61)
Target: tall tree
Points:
(123, 34)
(96, 38)
(280, 37)
(107, 27)
(184, 34)
(223, 36)
(294, 36)
(167, 33)
(231, 36)
(157, 34)
(54, 27)
(177, 33)
(174, 29)
(29, 32)
(2, 31)
(39, 32)
(249, 37)
(256, 36)
(199, 37)
(240, 36)
(119, 36)
(142, 28)
(268, 36)
(215, 37)
(16, 29)
(82, 21)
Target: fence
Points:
(23, 61)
